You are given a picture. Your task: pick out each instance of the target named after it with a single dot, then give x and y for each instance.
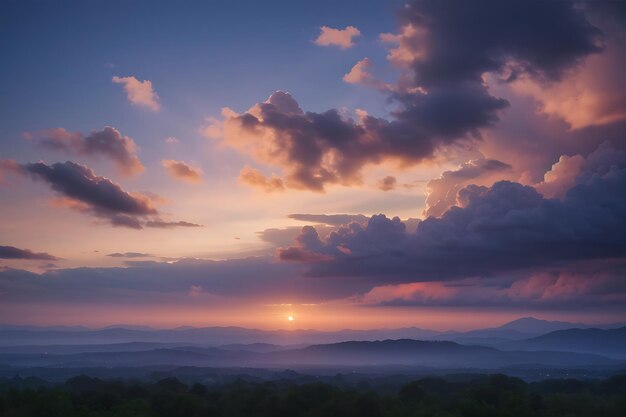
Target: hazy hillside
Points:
(611, 342)
(524, 328)
(406, 352)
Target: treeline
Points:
(494, 395)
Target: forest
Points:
(478, 396)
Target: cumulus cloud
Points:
(567, 171)
(342, 38)
(107, 142)
(499, 229)
(255, 178)
(182, 171)
(441, 193)
(441, 100)
(317, 149)
(80, 189)
(593, 94)
(561, 177)
(361, 74)
(306, 249)
(140, 93)
(11, 252)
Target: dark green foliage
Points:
(482, 396)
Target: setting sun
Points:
(290, 318)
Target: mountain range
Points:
(527, 342)
(403, 352)
(215, 336)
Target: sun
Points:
(290, 318)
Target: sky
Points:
(351, 164)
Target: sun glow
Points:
(290, 318)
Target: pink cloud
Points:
(592, 95)
(561, 177)
(140, 93)
(342, 38)
(255, 178)
(360, 74)
(182, 171)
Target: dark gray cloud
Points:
(90, 193)
(463, 40)
(11, 252)
(82, 190)
(498, 229)
(108, 142)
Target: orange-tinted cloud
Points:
(361, 74)
(255, 178)
(387, 184)
(182, 171)
(592, 95)
(140, 93)
(342, 38)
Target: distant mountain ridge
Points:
(520, 329)
(608, 342)
(403, 352)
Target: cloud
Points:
(160, 224)
(495, 230)
(593, 94)
(182, 171)
(442, 99)
(139, 93)
(255, 178)
(552, 289)
(330, 219)
(129, 255)
(387, 184)
(457, 41)
(441, 193)
(157, 283)
(11, 252)
(107, 142)
(317, 149)
(361, 74)
(171, 140)
(561, 177)
(306, 248)
(342, 38)
(80, 189)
